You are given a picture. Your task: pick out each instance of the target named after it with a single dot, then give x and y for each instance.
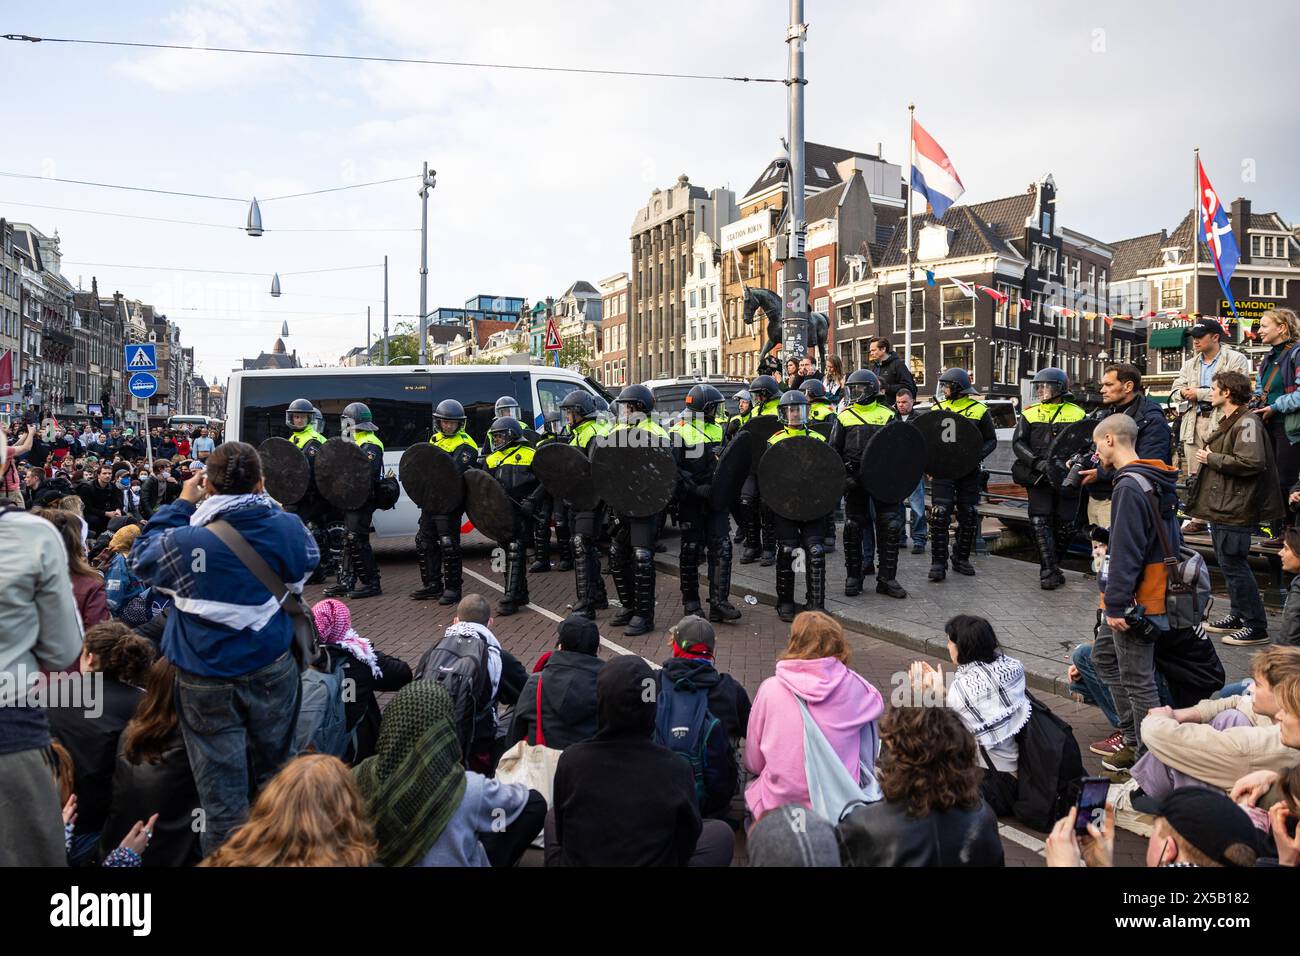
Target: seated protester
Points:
(691, 668)
(311, 813)
(87, 583)
(1217, 742)
(932, 814)
(1193, 827)
(89, 728)
(121, 585)
(427, 808)
(153, 776)
(620, 799)
(369, 671)
(988, 695)
(562, 691)
(793, 836)
(841, 702)
(1290, 555)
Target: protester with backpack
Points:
(702, 713)
(121, 586)
(840, 702)
(228, 634)
(558, 704)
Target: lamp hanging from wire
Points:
(275, 285)
(254, 227)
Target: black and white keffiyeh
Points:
(990, 699)
(214, 507)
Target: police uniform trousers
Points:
(318, 515)
(949, 495)
(709, 529)
(807, 535)
(358, 565)
(632, 566)
(516, 583)
(551, 510)
(889, 531)
(589, 586)
(1052, 518)
(760, 522)
(437, 547)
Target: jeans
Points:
(1232, 550)
(916, 502)
(1127, 665)
(238, 733)
(1093, 689)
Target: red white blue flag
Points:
(1216, 231)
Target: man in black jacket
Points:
(620, 799)
(890, 369)
(101, 499)
(566, 701)
(1121, 391)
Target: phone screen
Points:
(1092, 803)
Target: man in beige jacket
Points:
(1217, 742)
(1193, 386)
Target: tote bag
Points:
(832, 793)
(532, 764)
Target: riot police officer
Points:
(549, 508)
(632, 552)
(819, 409)
(312, 508)
(792, 409)
(760, 531)
(703, 526)
(962, 493)
(853, 428)
(1052, 511)
(359, 566)
(582, 418)
(744, 411)
(437, 544)
(511, 464)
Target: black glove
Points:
(527, 507)
(851, 483)
(1040, 466)
(702, 491)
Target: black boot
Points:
(643, 622)
(620, 569)
(815, 579)
(753, 535)
(564, 544)
(582, 579)
(889, 531)
(689, 576)
(1065, 531)
(1049, 571)
(786, 609)
(452, 577)
(720, 607)
(368, 586)
(852, 557)
(828, 538)
(940, 518)
(347, 575)
(767, 524)
(429, 558)
(516, 593)
(967, 525)
(541, 548)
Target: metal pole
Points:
(370, 359)
(794, 331)
(426, 183)
(1196, 230)
(385, 310)
(907, 294)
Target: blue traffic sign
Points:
(142, 357)
(142, 385)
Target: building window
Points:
(918, 311)
(865, 310)
(846, 315)
(1268, 286)
(958, 355)
(693, 302)
(846, 357)
(918, 364)
(822, 272)
(958, 309)
(822, 304)
(1006, 363)
(1171, 294)
(1008, 312)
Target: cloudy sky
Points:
(540, 174)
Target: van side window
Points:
(552, 391)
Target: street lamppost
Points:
(426, 184)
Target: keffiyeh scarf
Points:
(990, 699)
(334, 623)
(214, 507)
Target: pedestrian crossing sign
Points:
(141, 357)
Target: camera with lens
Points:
(1077, 464)
(1135, 616)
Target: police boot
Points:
(564, 544)
(967, 525)
(753, 533)
(452, 573)
(323, 568)
(786, 609)
(940, 519)
(599, 597)
(643, 622)
(828, 538)
(430, 562)
(739, 516)
(852, 557)
(541, 548)
(346, 573)
(582, 579)
(815, 579)
(368, 586)
(620, 569)
(767, 525)
(689, 576)
(720, 608)
(516, 593)
(1065, 531)
(889, 531)
(1049, 572)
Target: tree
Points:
(574, 352)
(403, 346)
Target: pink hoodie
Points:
(840, 700)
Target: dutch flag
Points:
(932, 174)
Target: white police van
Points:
(402, 399)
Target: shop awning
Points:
(1167, 339)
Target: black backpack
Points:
(459, 662)
(1050, 768)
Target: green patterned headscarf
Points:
(414, 782)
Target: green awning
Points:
(1159, 399)
(1167, 339)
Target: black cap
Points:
(691, 631)
(1211, 823)
(1205, 327)
(578, 633)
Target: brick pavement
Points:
(747, 650)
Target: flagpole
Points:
(907, 295)
(1196, 231)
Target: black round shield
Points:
(1072, 439)
(732, 469)
(893, 462)
(285, 468)
(565, 473)
(488, 506)
(762, 428)
(801, 478)
(823, 427)
(343, 474)
(431, 479)
(953, 443)
(635, 478)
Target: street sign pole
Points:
(794, 274)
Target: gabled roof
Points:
(1140, 252)
(581, 287)
(484, 328)
(972, 235)
(446, 334)
(819, 168)
(1006, 217)
(1267, 220)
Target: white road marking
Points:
(548, 613)
(1024, 839)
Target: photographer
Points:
(1121, 393)
(1133, 579)
(1234, 491)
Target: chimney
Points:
(1240, 227)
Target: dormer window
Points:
(1172, 255)
(1045, 226)
(1268, 247)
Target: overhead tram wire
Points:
(188, 195)
(469, 64)
(220, 272)
(208, 225)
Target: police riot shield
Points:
(431, 479)
(732, 469)
(285, 468)
(343, 474)
(953, 443)
(565, 473)
(489, 507)
(1069, 441)
(761, 428)
(634, 472)
(801, 478)
(893, 462)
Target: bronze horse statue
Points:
(770, 304)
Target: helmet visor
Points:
(860, 393)
(500, 440)
(448, 426)
(1046, 391)
(795, 415)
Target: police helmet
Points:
(704, 399)
(792, 409)
(764, 388)
(637, 398)
(581, 403)
(1057, 382)
(299, 406)
(358, 413)
(863, 386)
(959, 380)
(505, 431)
(449, 411)
(814, 389)
(507, 406)
(552, 423)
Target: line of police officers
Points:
(698, 439)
